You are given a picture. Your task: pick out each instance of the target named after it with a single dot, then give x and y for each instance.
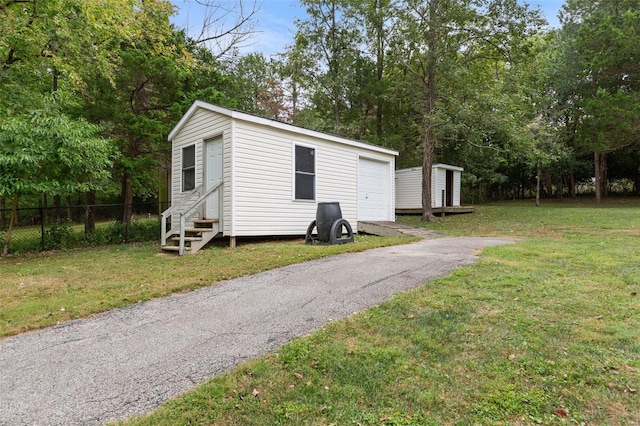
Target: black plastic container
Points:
(326, 215)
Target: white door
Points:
(212, 176)
(374, 201)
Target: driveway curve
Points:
(128, 361)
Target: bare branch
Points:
(227, 28)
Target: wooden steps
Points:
(195, 237)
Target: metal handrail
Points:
(183, 215)
(167, 212)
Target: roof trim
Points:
(437, 165)
(274, 124)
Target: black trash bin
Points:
(326, 214)
(330, 225)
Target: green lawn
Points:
(545, 331)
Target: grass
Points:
(544, 331)
(66, 235)
(43, 289)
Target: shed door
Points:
(213, 175)
(449, 188)
(374, 190)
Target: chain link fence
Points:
(53, 228)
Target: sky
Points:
(275, 28)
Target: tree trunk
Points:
(572, 185)
(604, 172)
(380, 51)
(427, 162)
(127, 199)
(548, 179)
(57, 208)
(429, 133)
(12, 220)
(67, 201)
(90, 213)
(598, 173)
(560, 192)
(538, 185)
(3, 215)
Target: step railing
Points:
(190, 210)
(164, 234)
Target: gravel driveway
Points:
(129, 361)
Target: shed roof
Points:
(437, 166)
(238, 115)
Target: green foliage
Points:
(44, 151)
(58, 236)
(597, 74)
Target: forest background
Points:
(90, 90)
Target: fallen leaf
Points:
(634, 293)
(255, 393)
(384, 419)
(62, 309)
(599, 317)
(326, 387)
(298, 375)
(512, 357)
(562, 412)
(292, 386)
(631, 390)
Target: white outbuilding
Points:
(239, 175)
(445, 188)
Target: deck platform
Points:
(438, 210)
(394, 229)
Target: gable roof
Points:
(238, 115)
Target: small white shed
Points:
(241, 175)
(445, 185)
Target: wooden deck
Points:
(438, 210)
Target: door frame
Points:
(212, 208)
(449, 188)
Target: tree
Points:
(598, 84)
(45, 151)
(437, 37)
(330, 36)
(227, 27)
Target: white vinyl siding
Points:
(264, 181)
(201, 126)
(259, 170)
(438, 185)
(409, 186)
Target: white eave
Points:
(275, 124)
(438, 165)
(448, 167)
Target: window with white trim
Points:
(188, 168)
(305, 173)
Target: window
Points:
(188, 168)
(305, 185)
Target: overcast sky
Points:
(276, 17)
